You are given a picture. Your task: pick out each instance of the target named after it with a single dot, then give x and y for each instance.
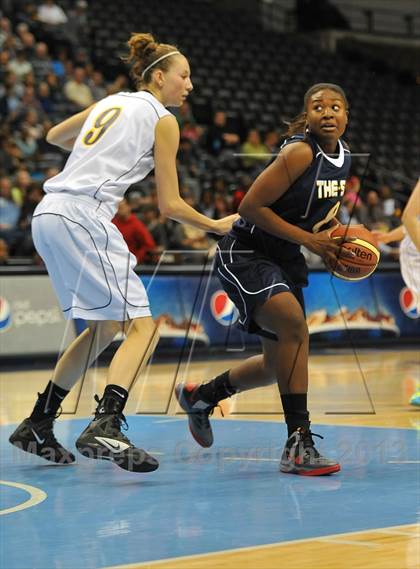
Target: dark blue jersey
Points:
(310, 202)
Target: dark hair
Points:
(297, 125)
(144, 50)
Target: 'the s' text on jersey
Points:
(311, 201)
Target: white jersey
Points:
(114, 149)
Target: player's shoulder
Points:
(297, 148)
(134, 99)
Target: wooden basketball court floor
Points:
(227, 506)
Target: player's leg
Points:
(35, 434)
(103, 438)
(283, 315)
(199, 401)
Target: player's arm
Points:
(64, 134)
(390, 236)
(170, 202)
(410, 216)
(270, 185)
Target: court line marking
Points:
(239, 419)
(36, 497)
(414, 533)
(326, 538)
(403, 461)
(170, 420)
(353, 542)
(255, 459)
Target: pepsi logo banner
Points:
(222, 308)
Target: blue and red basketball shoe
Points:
(301, 457)
(198, 411)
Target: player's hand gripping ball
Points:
(364, 245)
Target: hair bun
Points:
(142, 45)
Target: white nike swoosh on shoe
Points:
(118, 393)
(112, 444)
(39, 440)
(60, 396)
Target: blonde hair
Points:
(143, 51)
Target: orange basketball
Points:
(365, 247)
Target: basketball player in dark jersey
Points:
(293, 202)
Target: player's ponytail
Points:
(296, 125)
(143, 51)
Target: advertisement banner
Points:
(31, 321)
(338, 312)
(193, 311)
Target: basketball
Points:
(365, 247)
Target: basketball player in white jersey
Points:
(409, 235)
(113, 144)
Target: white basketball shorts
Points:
(88, 261)
(410, 264)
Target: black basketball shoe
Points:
(103, 439)
(198, 411)
(301, 457)
(38, 438)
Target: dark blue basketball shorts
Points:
(250, 279)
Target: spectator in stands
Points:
(10, 104)
(388, 202)
(256, 150)
(33, 122)
(97, 86)
(41, 61)
(240, 191)
(21, 28)
(4, 65)
(34, 195)
(374, 209)
(5, 30)
(352, 210)
(156, 225)
(184, 115)
(222, 206)
(219, 137)
(10, 155)
(207, 203)
(20, 66)
(77, 91)
(51, 172)
(192, 239)
(26, 142)
(272, 141)
(120, 83)
(188, 237)
(54, 85)
(21, 186)
(135, 233)
(51, 13)
(58, 62)
(45, 99)
(9, 212)
(187, 123)
(28, 44)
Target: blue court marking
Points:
(202, 500)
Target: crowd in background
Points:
(46, 75)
